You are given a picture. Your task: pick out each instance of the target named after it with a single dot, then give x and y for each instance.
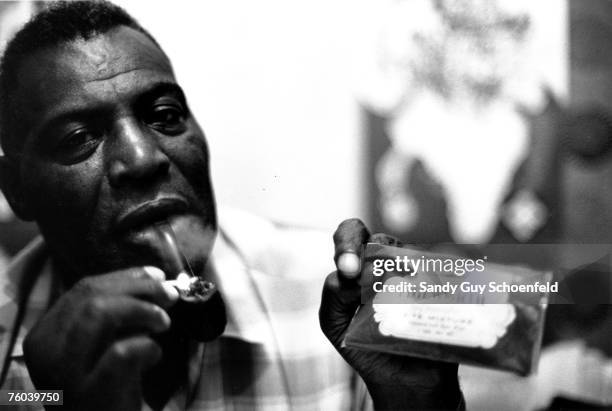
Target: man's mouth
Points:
(149, 213)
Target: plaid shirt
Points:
(272, 355)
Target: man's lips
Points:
(149, 213)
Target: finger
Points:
(349, 238)
(339, 302)
(142, 282)
(105, 319)
(124, 314)
(120, 372)
(131, 355)
(341, 293)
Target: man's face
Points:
(111, 150)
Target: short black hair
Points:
(58, 22)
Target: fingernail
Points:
(155, 273)
(349, 263)
(171, 291)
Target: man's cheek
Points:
(62, 196)
(191, 157)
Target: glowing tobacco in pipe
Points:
(200, 311)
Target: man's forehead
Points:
(84, 73)
(101, 57)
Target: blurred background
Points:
(439, 121)
(412, 115)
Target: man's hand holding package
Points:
(394, 382)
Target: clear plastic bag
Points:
(450, 308)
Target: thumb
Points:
(349, 239)
(341, 291)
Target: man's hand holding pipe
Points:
(96, 341)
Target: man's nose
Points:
(135, 155)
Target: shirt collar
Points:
(31, 264)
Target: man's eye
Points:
(77, 145)
(168, 119)
(77, 138)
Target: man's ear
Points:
(11, 186)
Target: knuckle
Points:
(95, 307)
(155, 350)
(154, 287)
(121, 352)
(85, 286)
(98, 304)
(153, 291)
(133, 351)
(331, 281)
(138, 273)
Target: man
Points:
(101, 148)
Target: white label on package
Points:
(469, 325)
